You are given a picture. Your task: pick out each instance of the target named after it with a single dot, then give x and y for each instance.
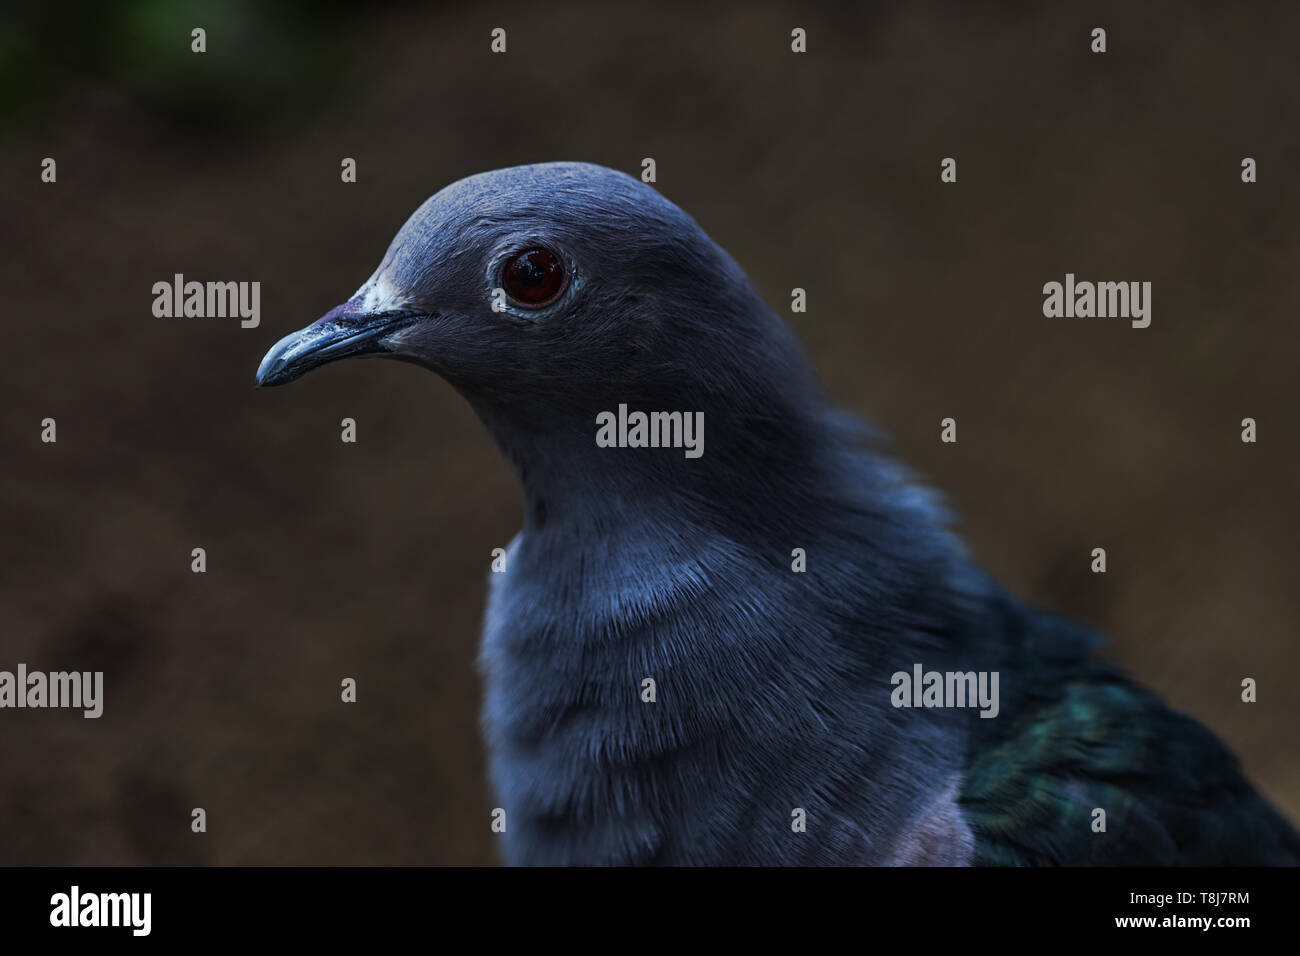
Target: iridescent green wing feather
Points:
(1083, 738)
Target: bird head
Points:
(550, 293)
(542, 282)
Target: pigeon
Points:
(762, 648)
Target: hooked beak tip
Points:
(327, 340)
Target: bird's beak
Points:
(335, 336)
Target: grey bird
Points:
(702, 658)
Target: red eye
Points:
(534, 277)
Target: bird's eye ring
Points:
(534, 277)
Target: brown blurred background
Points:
(328, 560)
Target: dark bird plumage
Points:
(773, 687)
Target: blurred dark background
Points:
(328, 560)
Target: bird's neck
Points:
(597, 470)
